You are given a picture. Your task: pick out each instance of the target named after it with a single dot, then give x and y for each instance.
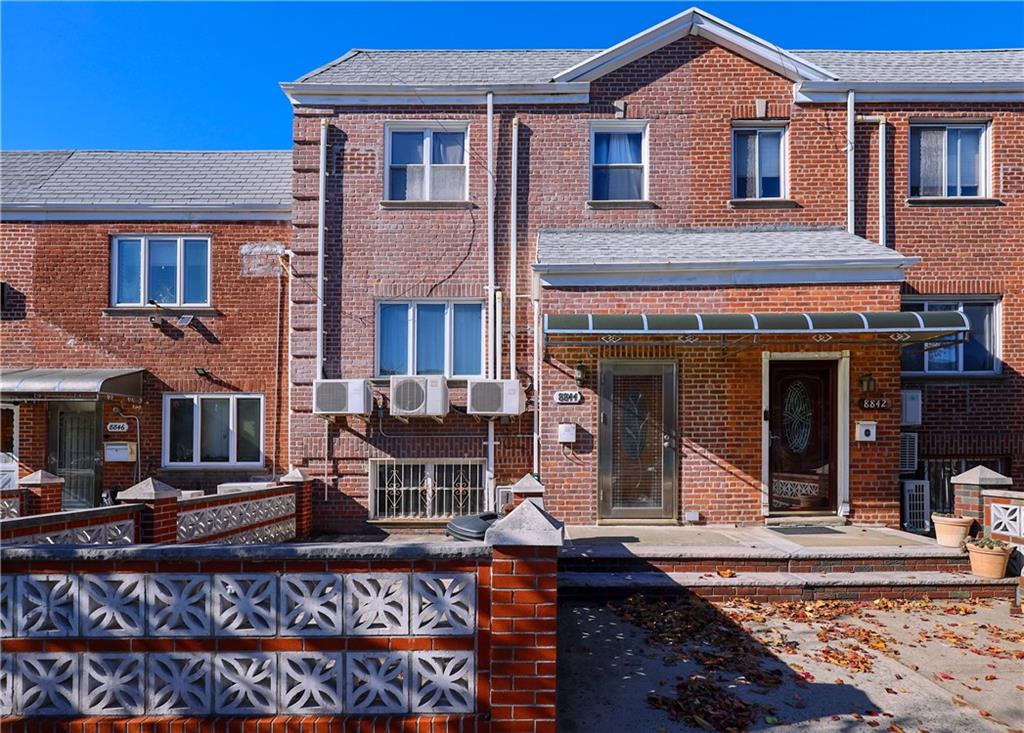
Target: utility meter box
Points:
(567, 432)
(866, 430)
(119, 451)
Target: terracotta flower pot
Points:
(951, 531)
(989, 563)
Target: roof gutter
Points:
(418, 94)
(144, 212)
(836, 91)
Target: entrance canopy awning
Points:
(898, 326)
(35, 381)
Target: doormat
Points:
(805, 530)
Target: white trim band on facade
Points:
(831, 92)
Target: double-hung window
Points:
(167, 270)
(975, 353)
(426, 162)
(758, 162)
(618, 160)
(948, 160)
(217, 429)
(430, 337)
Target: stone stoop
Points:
(787, 586)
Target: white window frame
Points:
(626, 126)
(449, 341)
(196, 397)
(997, 335)
(783, 161)
(179, 301)
(428, 128)
(984, 155)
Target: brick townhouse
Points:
(658, 276)
(144, 322)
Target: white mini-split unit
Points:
(415, 396)
(342, 397)
(495, 397)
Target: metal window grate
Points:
(427, 489)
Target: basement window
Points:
(167, 270)
(432, 489)
(426, 161)
(212, 430)
(758, 163)
(430, 337)
(948, 161)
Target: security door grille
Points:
(427, 489)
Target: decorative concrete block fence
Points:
(426, 637)
(152, 512)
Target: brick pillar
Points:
(303, 501)
(967, 491)
(44, 493)
(524, 620)
(160, 513)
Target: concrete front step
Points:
(786, 586)
(805, 520)
(675, 559)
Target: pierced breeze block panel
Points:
(240, 682)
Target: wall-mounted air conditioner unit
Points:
(342, 397)
(495, 397)
(413, 396)
(908, 452)
(917, 509)
(910, 407)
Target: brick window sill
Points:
(917, 376)
(169, 311)
(763, 204)
(968, 201)
(426, 205)
(621, 204)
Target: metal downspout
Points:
(491, 331)
(850, 174)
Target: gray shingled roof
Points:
(147, 177)
(1003, 65)
(608, 246)
(524, 66)
(538, 66)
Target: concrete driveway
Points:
(685, 665)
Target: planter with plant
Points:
(988, 557)
(951, 530)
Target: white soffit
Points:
(695, 22)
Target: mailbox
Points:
(119, 451)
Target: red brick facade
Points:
(58, 315)
(690, 92)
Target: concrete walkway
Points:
(927, 678)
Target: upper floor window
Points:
(948, 160)
(166, 270)
(758, 162)
(618, 160)
(214, 429)
(426, 162)
(430, 337)
(976, 352)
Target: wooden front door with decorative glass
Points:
(802, 436)
(637, 441)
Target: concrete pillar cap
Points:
(294, 476)
(528, 484)
(149, 489)
(40, 478)
(527, 526)
(981, 476)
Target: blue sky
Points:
(204, 75)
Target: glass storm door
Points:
(802, 436)
(8, 446)
(637, 441)
(74, 451)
